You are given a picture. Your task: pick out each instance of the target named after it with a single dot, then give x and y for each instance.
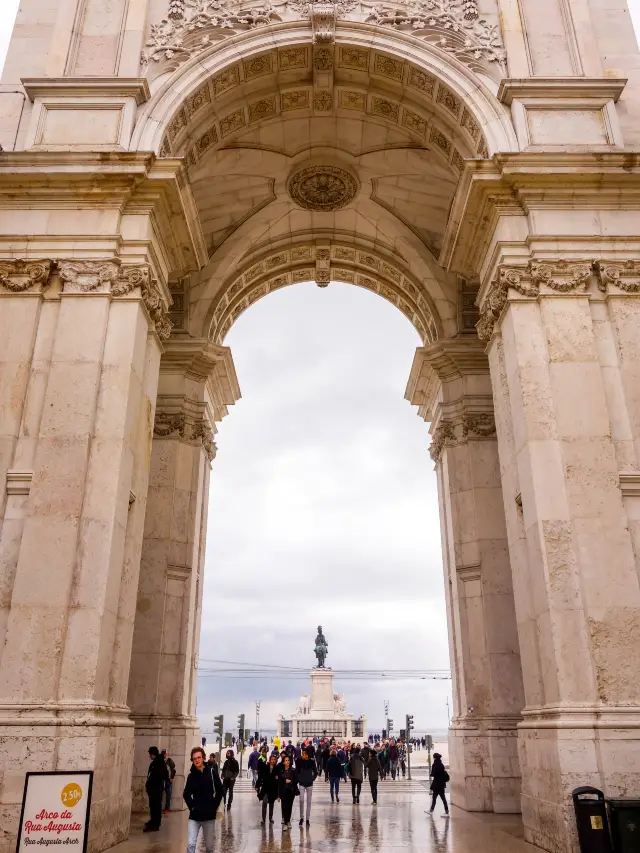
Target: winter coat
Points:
(203, 792)
(307, 772)
(326, 755)
(268, 781)
(373, 766)
(393, 753)
(365, 752)
(342, 755)
(171, 767)
(230, 769)
(335, 768)
(356, 766)
(439, 777)
(252, 763)
(287, 782)
(157, 775)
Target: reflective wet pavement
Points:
(398, 823)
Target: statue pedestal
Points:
(324, 713)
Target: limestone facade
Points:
(165, 164)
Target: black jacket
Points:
(307, 772)
(203, 792)
(230, 769)
(439, 776)
(157, 775)
(335, 768)
(287, 782)
(268, 781)
(373, 766)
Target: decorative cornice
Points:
(459, 427)
(547, 88)
(87, 87)
(19, 275)
(19, 482)
(186, 428)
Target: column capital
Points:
(18, 275)
(202, 361)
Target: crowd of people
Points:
(280, 774)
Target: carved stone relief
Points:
(177, 425)
(461, 427)
(21, 275)
(322, 187)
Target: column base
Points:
(68, 738)
(178, 735)
(564, 748)
(485, 772)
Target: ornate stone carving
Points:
(452, 25)
(130, 278)
(562, 276)
(20, 275)
(445, 434)
(178, 425)
(322, 188)
(189, 24)
(323, 22)
(625, 276)
(303, 7)
(478, 425)
(89, 276)
(508, 277)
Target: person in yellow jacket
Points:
(276, 742)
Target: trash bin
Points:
(625, 825)
(591, 820)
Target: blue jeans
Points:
(394, 767)
(208, 834)
(334, 785)
(168, 787)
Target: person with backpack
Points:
(307, 773)
(230, 771)
(335, 771)
(202, 795)
(157, 778)
(439, 777)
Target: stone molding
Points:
(538, 278)
(111, 276)
(461, 427)
(630, 483)
(187, 427)
(19, 482)
(19, 275)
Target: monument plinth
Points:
(324, 712)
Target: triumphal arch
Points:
(165, 164)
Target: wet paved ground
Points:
(398, 823)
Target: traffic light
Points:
(403, 734)
(409, 723)
(218, 727)
(241, 725)
(384, 734)
(390, 726)
(204, 741)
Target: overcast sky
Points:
(323, 506)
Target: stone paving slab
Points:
(398, 823)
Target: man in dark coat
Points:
(157, 778)
(268, 786)
(374, 770)
(202, 795)
(307, 773)
(230, 771)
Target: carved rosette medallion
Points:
(322, 188)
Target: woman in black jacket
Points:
(202, 795)
(287, 790)
(230, 771)
(439, 777)
(268, 785)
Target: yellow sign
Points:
(596, 822)
(71, 795)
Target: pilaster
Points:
(451, 385)
(197, 384)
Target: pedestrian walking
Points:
(287, 790)
(356, 772)
(307, 773)
(393, 758)
(402, 758)
(202, 795)
(168, 787)
(439, 779)
(326, 755)
(230, 771)
(268, 786)
(335, 771)
(374, 771)
(365, 752)
(252, 765)
(157, 777)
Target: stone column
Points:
(450, 383)
(77, 381)
(564, 368)
(197, 383)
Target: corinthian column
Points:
(450, 383)
(197, 383)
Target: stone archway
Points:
(143, 210)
